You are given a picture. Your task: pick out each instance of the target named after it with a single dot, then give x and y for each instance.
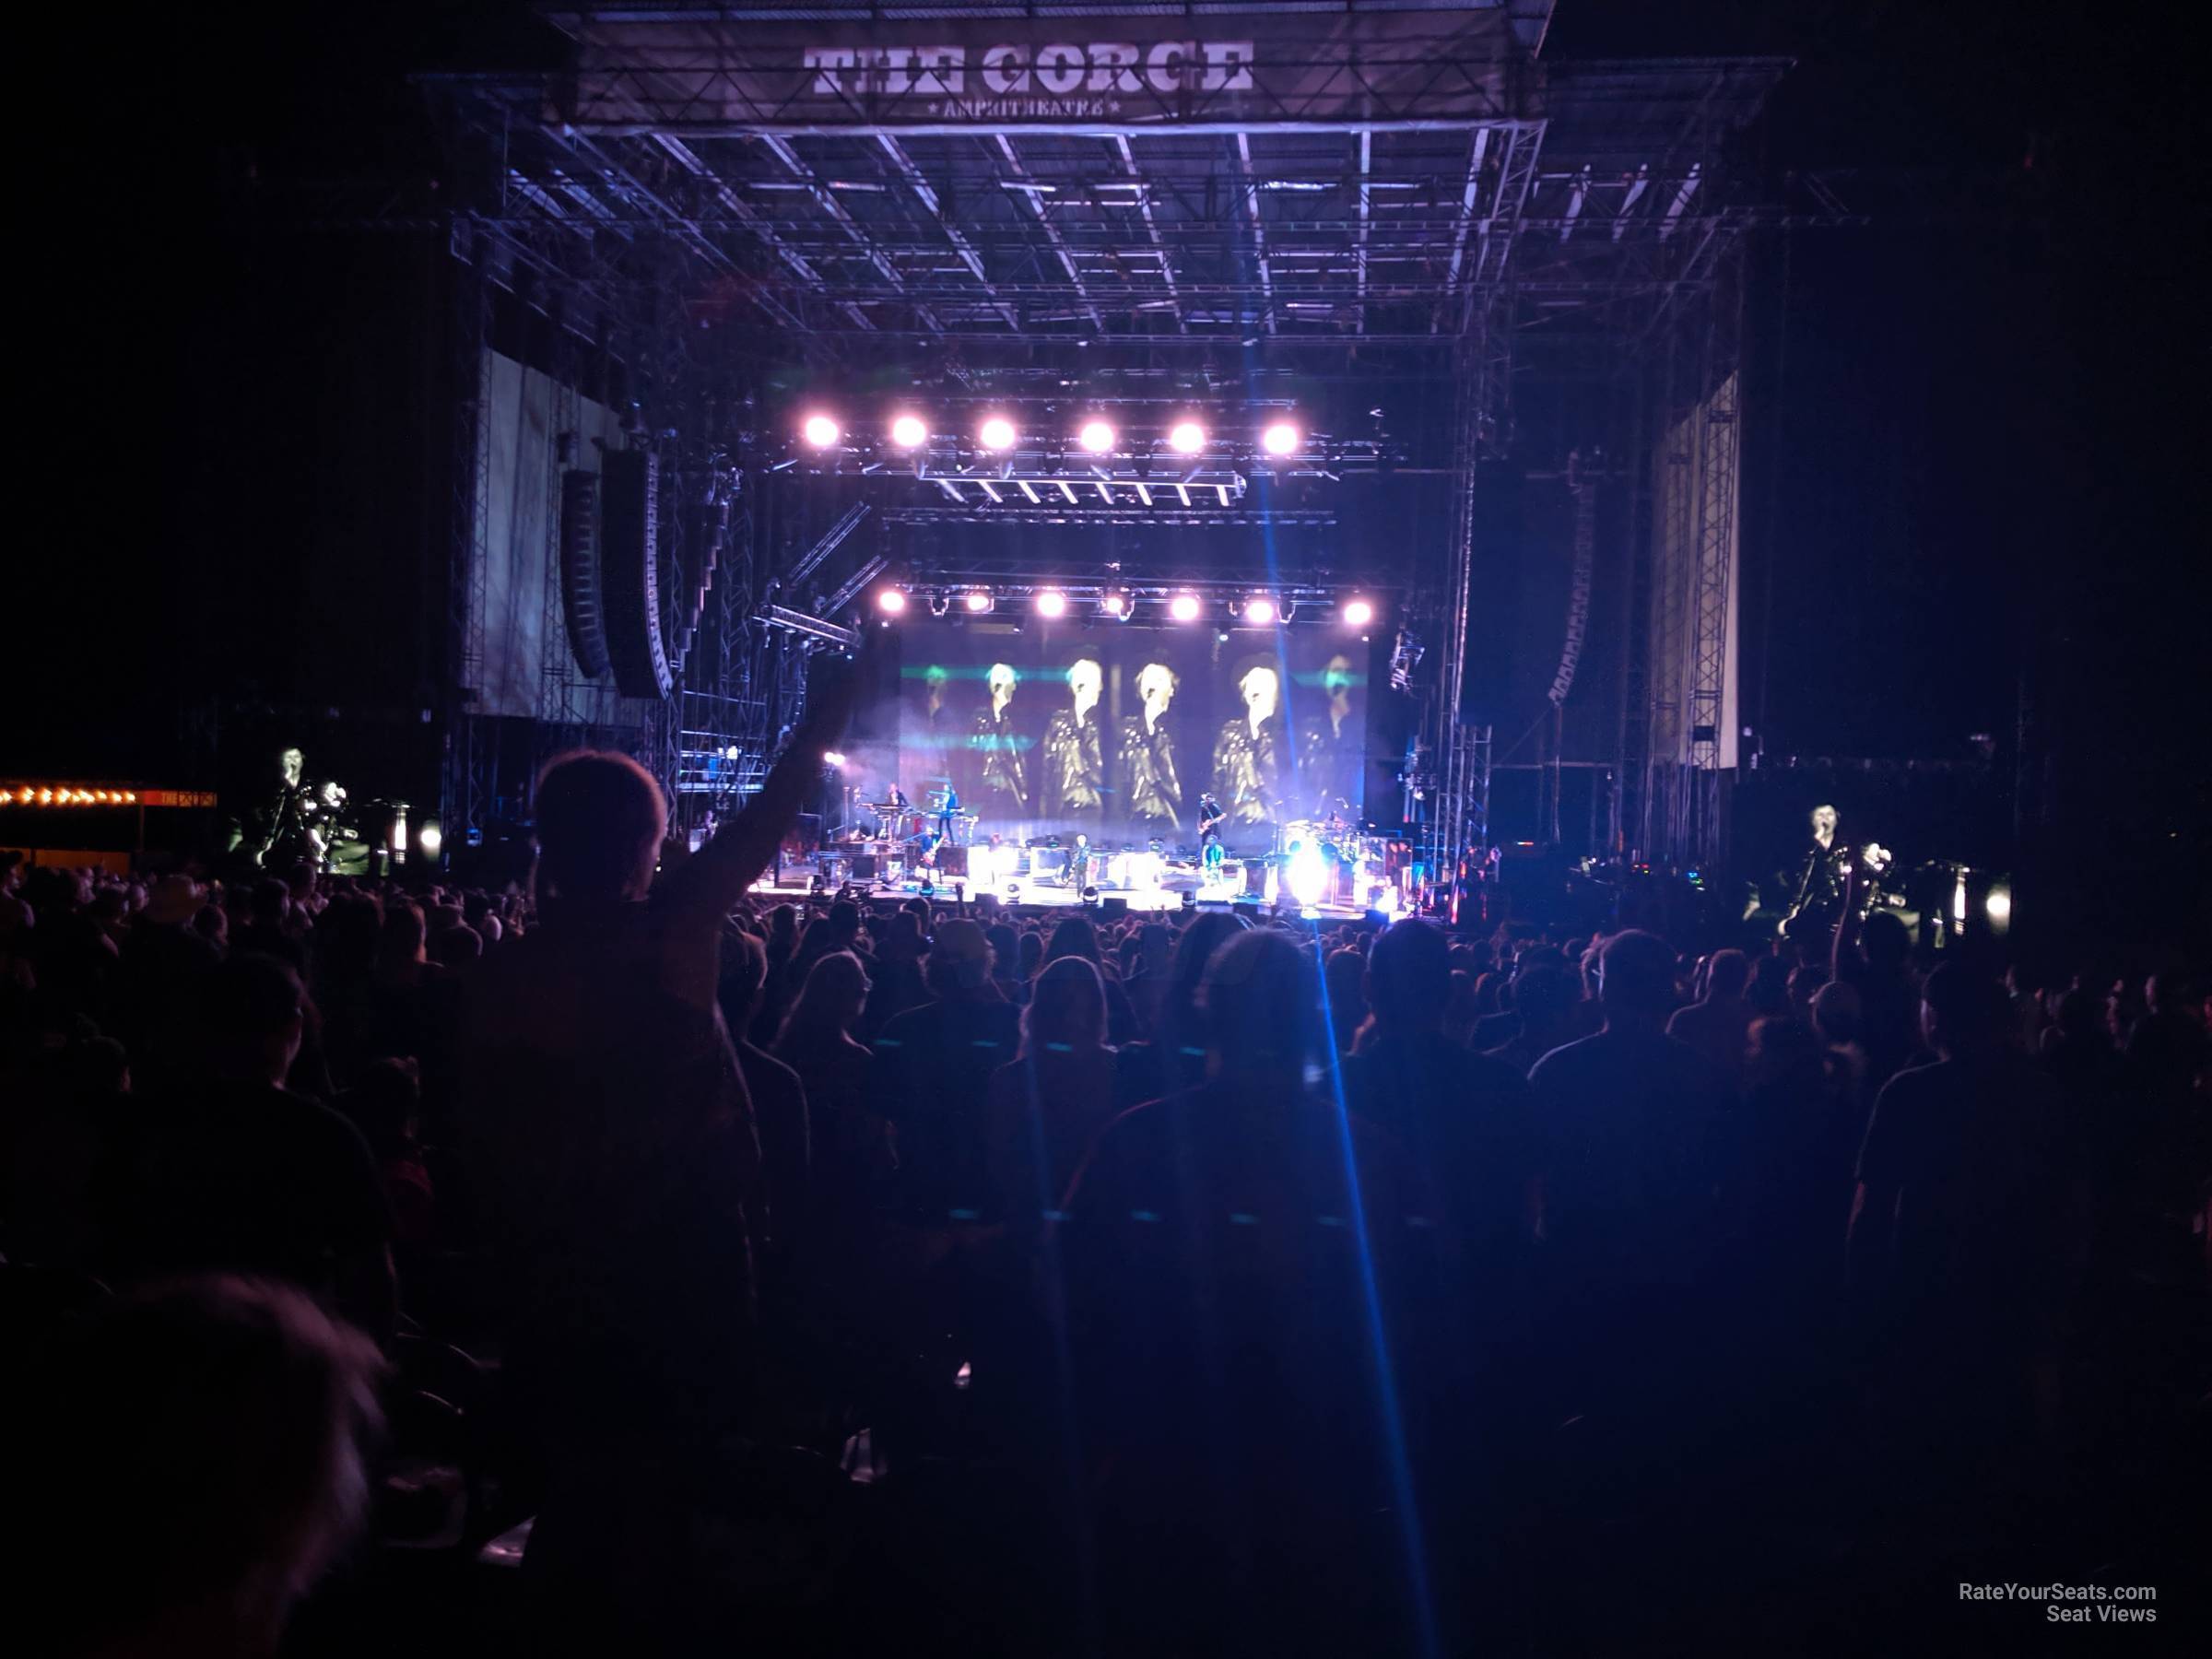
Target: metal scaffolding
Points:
(716, 204)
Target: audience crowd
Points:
(853, 1270)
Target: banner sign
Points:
(1386, 70)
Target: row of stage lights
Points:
(1118, 605)
(29, 795)
(996, 434)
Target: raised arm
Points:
(718, 875)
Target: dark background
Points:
(1972, 429)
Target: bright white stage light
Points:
(1280, 439)
(1186, 437)
(1357, 613)
(820, 430)
(1097, 437)
(1184, 608)
(1052, 602)
(1116, 603)
(890, 601)
(432, 838)
(995, 434)
(977, 600)
(2000, 908)
(1259, 611)
(908, 431)
(1308, 874)
(831, 758)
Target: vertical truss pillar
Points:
(1709, 639)
(1693, 538)
(1460, 822)
(472, 755)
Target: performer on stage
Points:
(1818, 902)
(1075, 759)
(1147, 755)
(1005, 770)
(1330, 746)
(287, 837)
(947, 813)
(1079, 864)
(1209, 834)
(1248, 755)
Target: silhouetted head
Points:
(1961, 1009)
(1262, 996)
(1636, 977)
(1067, 1009)
(1545, 995)
(1410, 976)
(600, 824)
(960, 959)
(1836, 1012)
(1727, 973)
(1073, 936)
(830, 1000)
(252, 1013)
(1886, 941)
(233, 1413)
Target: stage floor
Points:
(794, 886)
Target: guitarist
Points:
(1818, 902)
(1209, 834)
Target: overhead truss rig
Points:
(1293, 174)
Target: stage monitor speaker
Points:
(580, 602)
(630, 583)
(951, 861)
(864, 865)
(1113, 905)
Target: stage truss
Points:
(1577, 221)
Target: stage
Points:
(797, 884)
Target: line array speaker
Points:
(629, 573)
(580, 602)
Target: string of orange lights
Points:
(74, 794)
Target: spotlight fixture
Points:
(909, 431)
(832, 758)
(432, 839)
(1186, 437)
(1097, 437)
(1184, 608)
(1359, 613)
(995, 434)
(940, 602)
(1306, 873)
(977, 601)
(820, 431)
(1280, 438)
(890, 601)
(1052, 602)
(1259, 611)
(1117, 603)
